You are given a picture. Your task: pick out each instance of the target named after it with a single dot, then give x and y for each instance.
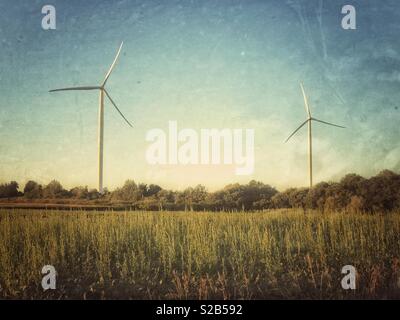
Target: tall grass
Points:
(176, 255)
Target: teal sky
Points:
(206, 64)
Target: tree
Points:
(297, 198)
(281, 199)
(9, 190)
(80, 192)
(188, 198)
(129, 192)
(93, 194)
(352, 193)
(356, 205)
(316, 197)
(152, 190)
(54, 190)
(33, 190)
(199, 194)
(165, 199)
(141, 191)
(381, 194)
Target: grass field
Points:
(177, 255)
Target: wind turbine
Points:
(103, 91)
(309, 121)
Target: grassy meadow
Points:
(281, 254)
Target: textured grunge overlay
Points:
(199, 149)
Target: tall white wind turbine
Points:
(103, 91)
(308, 122)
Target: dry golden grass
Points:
(177, 255)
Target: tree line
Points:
(353, 193)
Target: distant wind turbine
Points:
(101, 113)
(308, 121)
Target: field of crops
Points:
(178, 255)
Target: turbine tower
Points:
(102, 91)
(308, 122)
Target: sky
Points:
(204, 64)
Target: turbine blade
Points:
(119, 111)
(75, 88)
(112, 65)
(331, 124)
(294, 132)
(307, 107)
